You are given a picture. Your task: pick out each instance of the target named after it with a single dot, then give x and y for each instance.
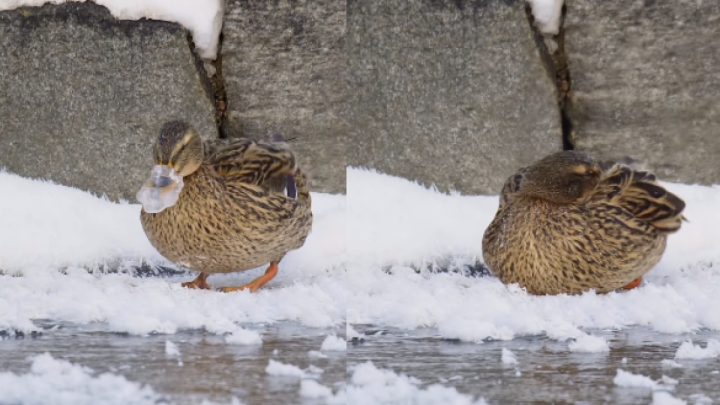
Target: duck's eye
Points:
(590, 173)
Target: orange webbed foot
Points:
(633, 284)
(255, 285)
(199, 282)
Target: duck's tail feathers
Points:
(639, 192)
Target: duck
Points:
(568, 224)
(221, 206)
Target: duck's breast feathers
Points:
(639, 193)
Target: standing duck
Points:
(220, 207)
(568, 224)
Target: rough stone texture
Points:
(284, 66)
(454, 93)
(83, 96)
(646, 83)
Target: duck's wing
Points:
(270, 165)
(638, 192)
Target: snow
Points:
(547, 15)
(313, 389)
(670, 363)
(333, 343)
(665, 398)
(48, 227)
(370, 385)
(171, 349)
(399, 231)
(242, 336)
(317, 354)
(508, 357)
(627, 379)
(589, 344)
(204, 18)
(688, 350)
(282, 369)
(59, 382)
(351, 333)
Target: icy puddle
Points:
(535, 370)
(293, 365)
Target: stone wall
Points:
(456, 93)
(284, 70)
(646, 83)
(82, 96)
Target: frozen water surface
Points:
(204, 367)
(546, 372)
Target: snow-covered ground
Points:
(396, 226)
(359, 265)
(45, 228)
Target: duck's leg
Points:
(255, 285)
(199, 282)
(633, 284)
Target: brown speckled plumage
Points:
(568, 224)
(232, 213)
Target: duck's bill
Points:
(161, 190)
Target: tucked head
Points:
(563, 177)
(179, 147)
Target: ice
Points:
(60, 382)
(589, 344)
(155, 195)
(508, 357)
(62, 240)
(203, 18)
(370, 385)
(399, 233)
(688, 350)
(333, 343)
(665, 398)
(628, 379)
(282, 369)
(547, 15)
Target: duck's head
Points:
(178, 152)
(179, 148)
(563, 177)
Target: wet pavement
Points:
(547, 372)
(208, 368)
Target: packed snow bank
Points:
(203, 18)
(52, 381)
(45, 227)
(396, 226)
(372, 386)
